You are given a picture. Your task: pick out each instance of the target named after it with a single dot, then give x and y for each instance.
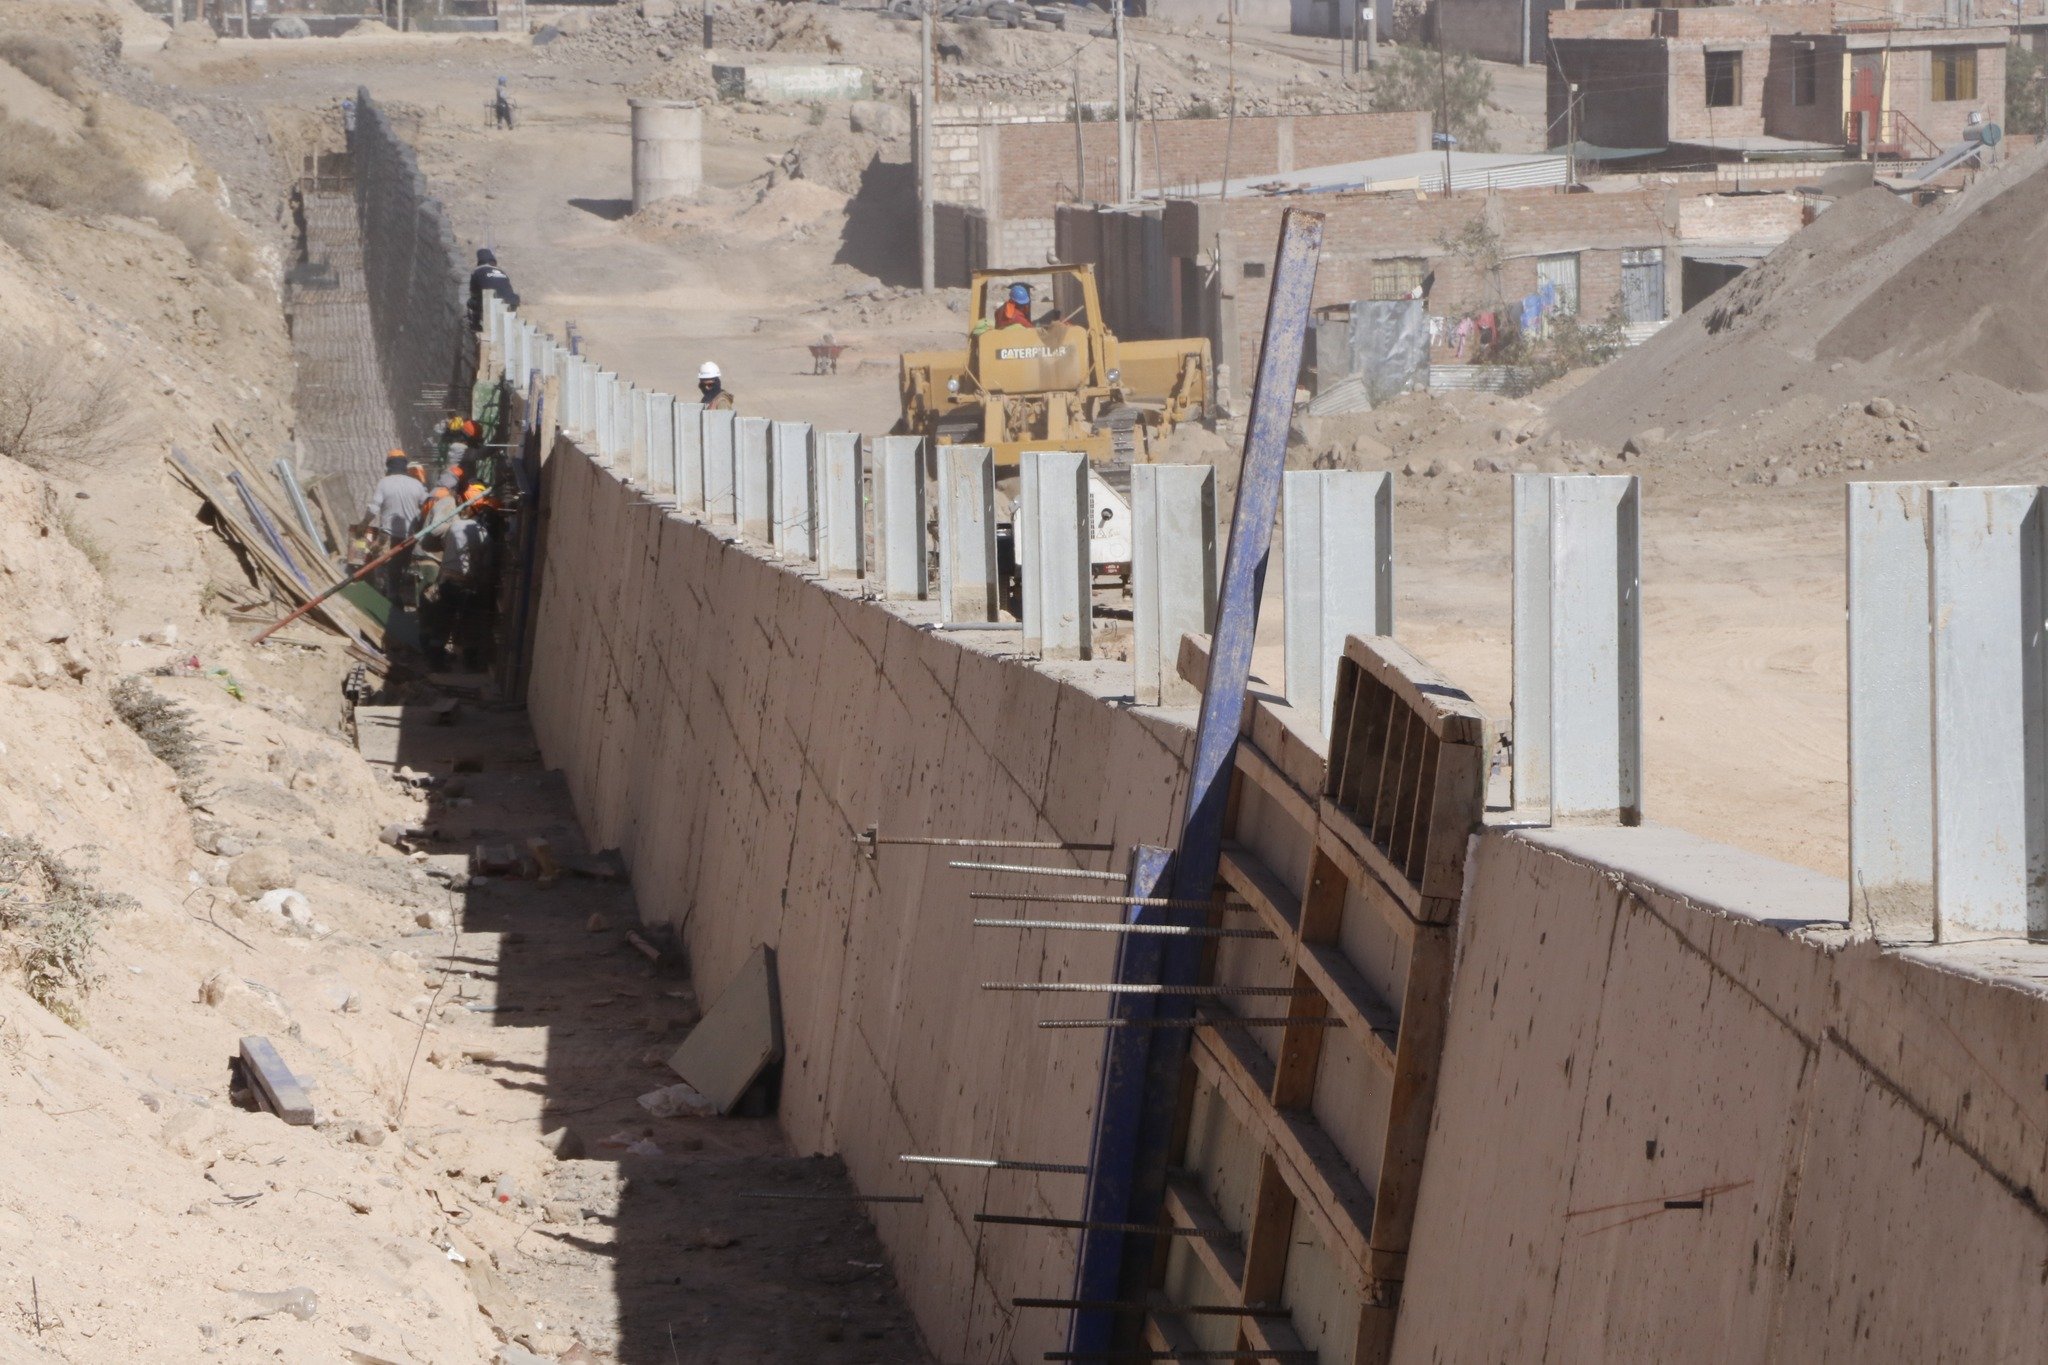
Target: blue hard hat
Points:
(1020, 293)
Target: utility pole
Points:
(926, 248)
(1443, 88)
(1080, 144)
(1571, 134)
(1123, 127)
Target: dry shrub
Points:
(86, 176)
(166, 727)
(48, 62)
(49, 916)
(66, 176)
(59, 414)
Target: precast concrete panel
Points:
(1986, 597)
(1052, 554)
(1530, 702)
(794, 489)
(967, 533)
(1338, 575)
(689, 455)
(901, 519)
(661, 445)
(842, 534)
(719, 439)
(1173, 574)
(754, 477)
(1891, 738)
(565, 389)
(1596, 664)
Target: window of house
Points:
(1724, 80)
(1955, 73)
(1805, 76)
(1561, 272)
(1399, 277)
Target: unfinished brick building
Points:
(1620, 253)
(1000, 171)
(1738, 82)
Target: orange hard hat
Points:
(394, 454)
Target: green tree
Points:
(2026, 91)
(1454, 88)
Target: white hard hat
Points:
(708, 370)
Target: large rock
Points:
(258, 871)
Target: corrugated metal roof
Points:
(1411, 171)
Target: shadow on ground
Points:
(611, 210)
(675, 1262)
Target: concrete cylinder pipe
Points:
(668, 150)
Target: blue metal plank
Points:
(1142, 1067)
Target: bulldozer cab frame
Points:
(1062, 350)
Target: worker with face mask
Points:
(711, 388)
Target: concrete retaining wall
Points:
(1639, 1017)
(732, 727)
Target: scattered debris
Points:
(739, 1037)
(272, 1083)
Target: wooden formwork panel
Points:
(1402, 792)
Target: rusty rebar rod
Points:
(1155, 902)
(1112, 927)
(1192, 1310)
(1145, 988)
(991, 1163)
(1087, 873)
(873, 838)
(1025, 1220)
(1241, 1021)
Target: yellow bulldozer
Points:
(1042, 372)
(1061, 381)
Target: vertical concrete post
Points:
(1596, 661)
(1173, 573)
(565, 388)
(1530, 700)
(638, 452)
(967, 533)
(842, 534)
(622, 426)
(901, 518)
(755, 479)
(1052, 554)
(794, 489)
(688, 420)
(1891, 721)
(1988, 553)
(604, 415)
(661, 445)
(720, 443)
(1337, 563)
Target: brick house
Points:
(1000, 171)
(1623, 251)
(1739, 81)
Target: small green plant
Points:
(2026, 91)
(816, 117)
(50, 915)
(1569, 343)
(1203, 109)
(166, 727)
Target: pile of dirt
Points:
(1879, 336)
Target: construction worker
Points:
(711, 386)
(487, 278)
(501, 106)
(1016, 309)
(455, 611)
(393, 513)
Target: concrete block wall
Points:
(732, 728)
